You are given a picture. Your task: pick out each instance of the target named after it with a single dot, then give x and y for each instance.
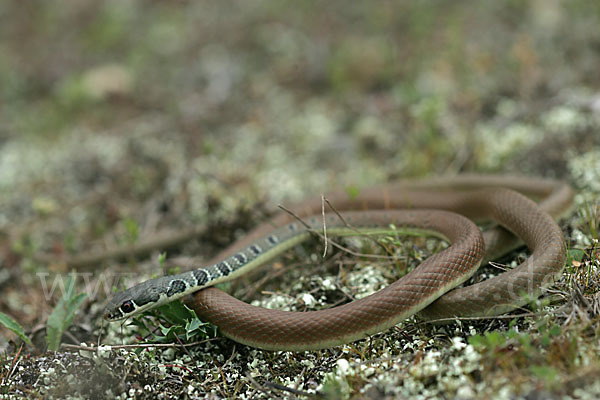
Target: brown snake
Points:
(477, 197)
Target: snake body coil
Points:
(476, 197)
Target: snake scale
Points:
(442, 207)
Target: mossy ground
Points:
(120, 119)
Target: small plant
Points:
(545, 372)
(591, 218)
(62, 316)
(59, 320)
(132, 230)
(175, 322)
(14, 326)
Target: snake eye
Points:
(127, 307)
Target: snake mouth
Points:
(113, 314)
(110, 316)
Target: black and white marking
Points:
(241, 258)
(255, 249)
(224, 268)
(176, 286)
(201, 276)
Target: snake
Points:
(524, 210)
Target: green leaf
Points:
(15, 327)
(353, 191)
(132, 229)
(477, 341)
(195, 324)
(525, 340)
(574, 255)
(176, 312)
(162, 257)
(62, 316)
(175, 322)
(195, 327)
(495, 339)
(170, 334)
(554, 330)
(512, 334)
(545, 372)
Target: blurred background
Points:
(119, 119)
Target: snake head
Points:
(132, 301)
(144, 296)
(123, 305)
(120, 307)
